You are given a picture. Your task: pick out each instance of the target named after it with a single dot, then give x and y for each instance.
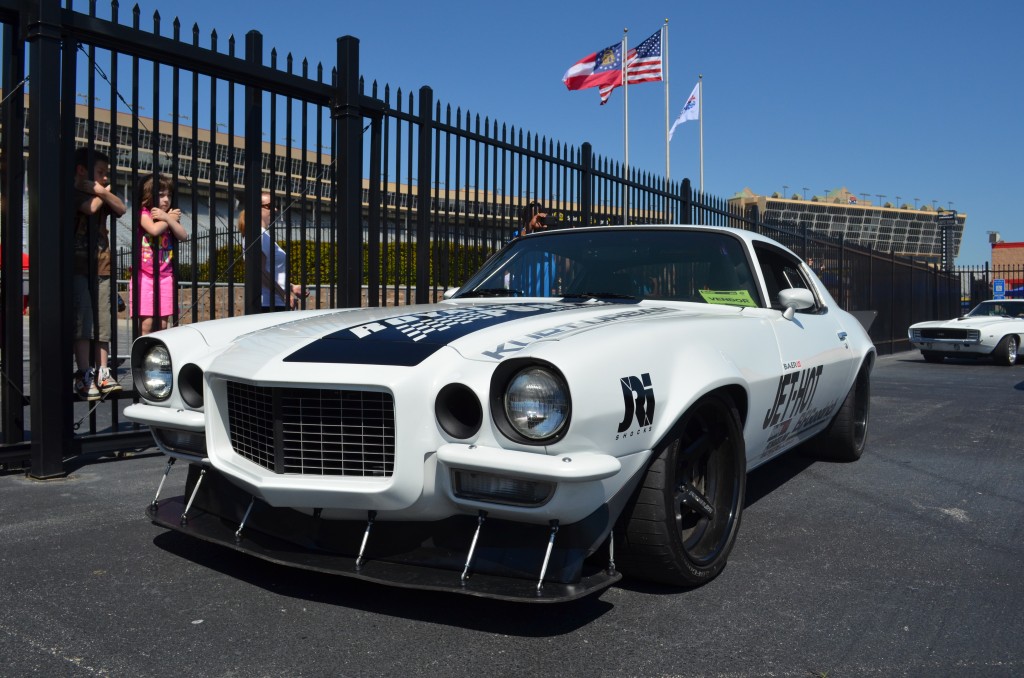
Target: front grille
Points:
(946, 334)
(312, 431)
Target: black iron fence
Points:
(381, 197)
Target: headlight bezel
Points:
(141, 349)
(503, 378)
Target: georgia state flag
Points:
(594, 70)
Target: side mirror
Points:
(795, 299)
(449, 293)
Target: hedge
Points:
(463, 260)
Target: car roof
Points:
(749, 237)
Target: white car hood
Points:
(975, 323)
(482, 330)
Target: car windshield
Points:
(1008, 309)
(621, 264)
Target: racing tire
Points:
(1006, 351)
(680, 526)
(847, 433)
(932, 356)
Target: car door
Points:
(815, 358)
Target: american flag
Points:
(643, 64)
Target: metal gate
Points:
(379, 198)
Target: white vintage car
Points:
(588, 404)
(992, 329)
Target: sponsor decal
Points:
(807, 420)
(408, 339)
(638, 405)
(793, 395)
(795, 365)
(418, 326)
(793, 410)
(728, 297)
(508, 347)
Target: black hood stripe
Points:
(410, 338)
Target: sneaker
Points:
(106, 383)
(85, 385)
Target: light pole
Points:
(784, 189)
(915, 202)
(934, 204)
(805, 192)
(879, 196)
(864, 196)
(897, 201)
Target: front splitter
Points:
(212, 528)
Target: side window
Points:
(782, 271)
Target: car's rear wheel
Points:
(1006, 351)
(847, 433)
(932, 356)
(681, 525)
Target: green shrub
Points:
(397, 264)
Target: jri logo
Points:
(638, 401)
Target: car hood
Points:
(409, 335)
(964, 323)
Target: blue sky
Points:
(910, 98)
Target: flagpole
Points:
(625, 104)
(700, 118)
(664, 70)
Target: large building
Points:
(903, 230)
(1008, 265)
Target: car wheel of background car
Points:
(1006, 351)
(846, 435)
(680, 526)
(932, 356)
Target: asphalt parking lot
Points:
(906, 563)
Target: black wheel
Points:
(680, 526)
(846, 435)
(932, 356)
(1006, 351)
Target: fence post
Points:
(423, 180)
(349, 151)
(892, 301)
(373, 283)
(50, 272)
(871, 278)
(842, 273)
(687, 202)
(586, 183)
(253, 181)
(13, 285)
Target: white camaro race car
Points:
(992, 329)
(588, 404)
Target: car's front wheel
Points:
(682, 523)
(932, 356)
(1006, 351)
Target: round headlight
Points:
(156, 372)
(537, 403)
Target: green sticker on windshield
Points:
(730, 297)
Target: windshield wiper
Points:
(599, 295)
(492, 292)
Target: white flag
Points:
(691, 110)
